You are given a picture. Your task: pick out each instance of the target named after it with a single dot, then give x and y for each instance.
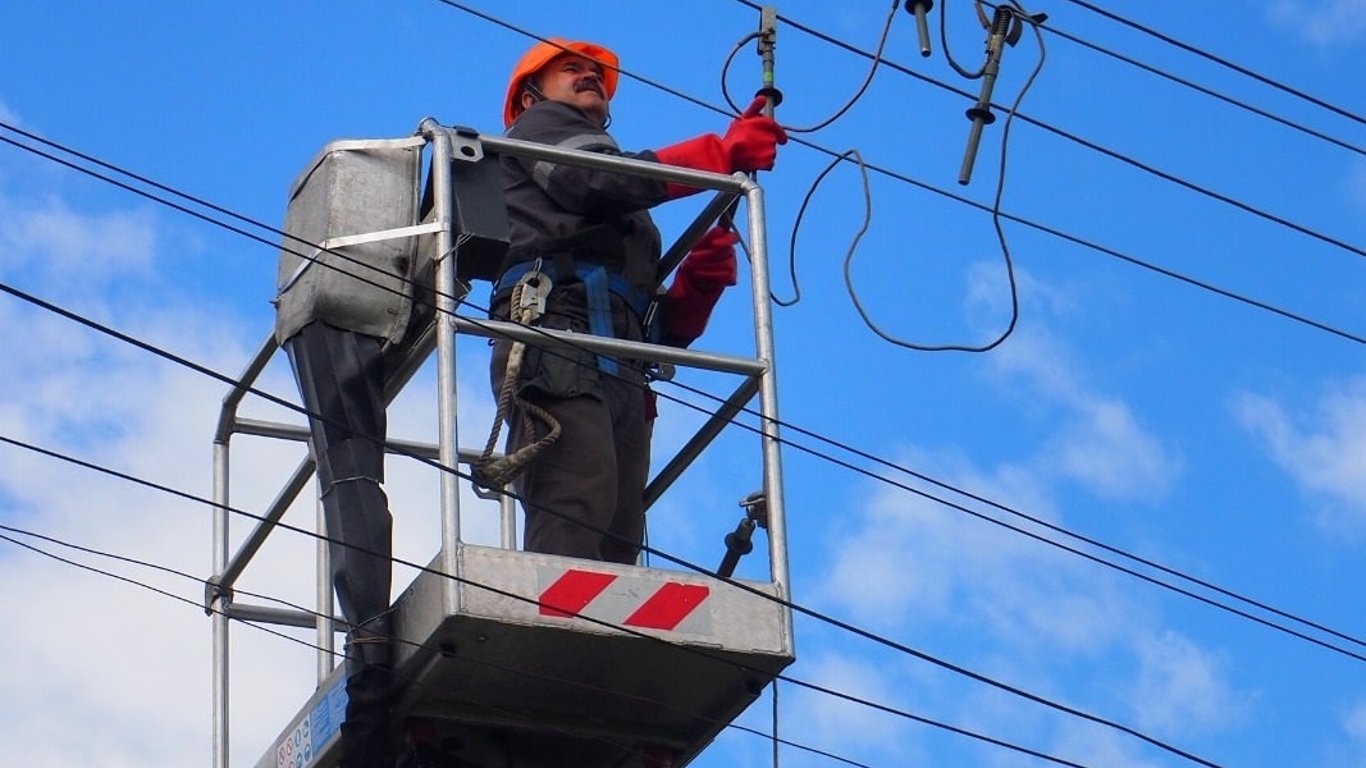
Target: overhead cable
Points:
(1220, 61)
(874, 475)
(1053, 29)
(871, 457)
(527, 599)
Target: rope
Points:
(488, 472)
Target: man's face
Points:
(573, 79)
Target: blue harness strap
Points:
(599, 311)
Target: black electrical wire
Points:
(802, 609)
(1220, 61)
(403, 641)
(333, 653)
(1203, 90)
(1064, 531)
(522, 598)
(867, 80)
(845, 447)
(963, 671)
(1153, 170)
(820, 455)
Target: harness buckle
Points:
(533, 288)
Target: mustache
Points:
(590, 83)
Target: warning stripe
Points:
(669, 606)
(629, 601)
(572, 592)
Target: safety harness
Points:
(527, 283)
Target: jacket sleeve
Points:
(582, 190)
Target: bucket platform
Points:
(505, 658)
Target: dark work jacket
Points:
(602, 216)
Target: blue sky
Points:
(1213, 437)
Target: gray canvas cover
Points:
(350, 258)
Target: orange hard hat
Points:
(541, 53)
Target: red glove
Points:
(752, 139)
(705, 272)
(750, 144)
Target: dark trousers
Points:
(341, 380)
(585, 495)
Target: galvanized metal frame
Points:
(448, 145)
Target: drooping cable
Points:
(1164, 271)
(845, 447)
(1145, 167)
(867, 80)
(1062, 530)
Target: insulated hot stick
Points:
(767, 44)
(980, 113)
(1005, 28)
(920, 10)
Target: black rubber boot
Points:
(367, 732)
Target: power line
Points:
(1221, 61)
(979, 677)
(280, 401)
(874, 475)
(1204, 90)
(504, 593)
(204, 583)
(837, 462)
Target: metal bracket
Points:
(465, 144)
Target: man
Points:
(345, 316)
(590, 234)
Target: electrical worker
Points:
(345, 316)
(589, 233)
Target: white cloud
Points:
(1103, 447)
(845, 727)
(74, 250)
(1355, 725)
(1325, 453)
(1322, 22)
(130, 667)
(1101, 442)
(1182, 688)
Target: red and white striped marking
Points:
(639, 603)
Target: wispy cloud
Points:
(1323, 451)
(142, 689)
(70, 249)
(1183, 688)
(1322, 22)
(1100, 442)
